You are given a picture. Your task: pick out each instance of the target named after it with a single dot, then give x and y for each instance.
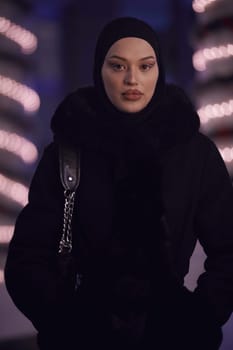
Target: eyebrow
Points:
(124, 59)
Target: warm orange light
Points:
(24, 95)
(24, 38)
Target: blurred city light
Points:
(227, 154)
(13, 190)
(19, 146)
(1, 276)
(201, 57)
(217, 110)
(6, 233)
(201, 5)
(24, 95)
(24, 38)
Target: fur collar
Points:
(76, 121)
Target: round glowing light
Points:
(208, 54)
(230, 49)
(24, 95)
(201, 57)
(203, 117)
(13, 190)
(19, 146)
(200, 6)
(217, 110)
(224, 51)
(199, 61)
(6, 233)
(24, 38)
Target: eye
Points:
(146, 66)
(117, 66)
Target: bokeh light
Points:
(1, 276)
(19, 146)
(6, 233)
(217, 110)
(24, 95)
(200, 6)
(15, 191)
(24, 38)
(202, 57)
(227, 154)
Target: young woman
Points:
(151, 185)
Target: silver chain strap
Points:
(65, 245)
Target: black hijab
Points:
(87, 118)
(112, 32)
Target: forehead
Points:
(131, 47)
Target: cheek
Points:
(111, 84)
(152, 83)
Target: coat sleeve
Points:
(214, 226)
(31, 272)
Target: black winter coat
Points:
(197, 197)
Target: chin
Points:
(131, 109)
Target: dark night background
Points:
(67, 31)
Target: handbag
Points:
(69, 168)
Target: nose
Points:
(130, 77)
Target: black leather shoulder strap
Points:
(69, 162)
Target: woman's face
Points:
(130, 74)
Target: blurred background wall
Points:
(46, 50)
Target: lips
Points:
(132, 94)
